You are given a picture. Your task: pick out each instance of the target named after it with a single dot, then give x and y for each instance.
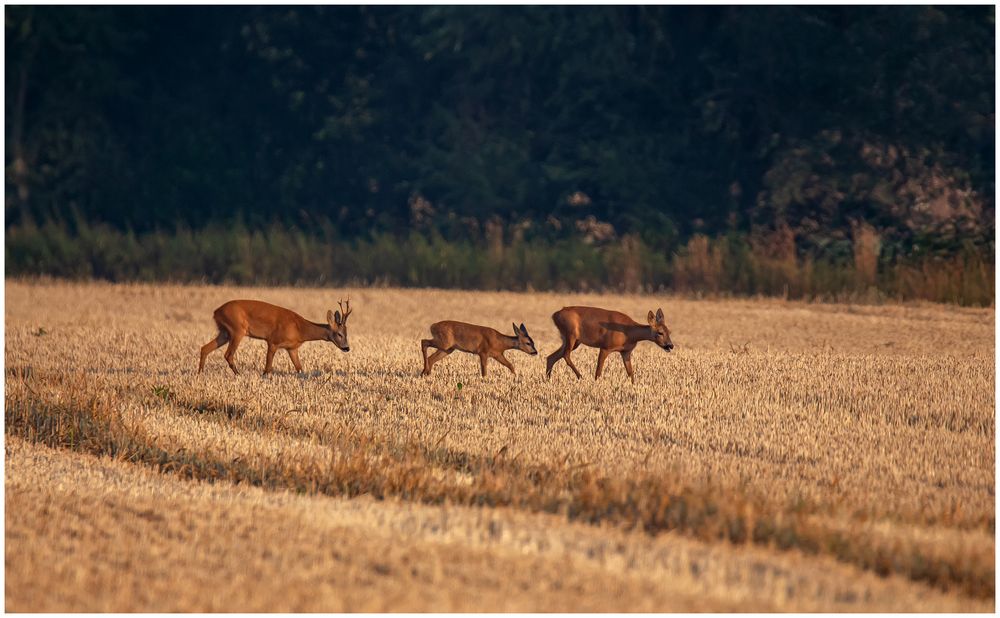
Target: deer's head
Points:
(661, 334)
(524, 342)
(337, 322)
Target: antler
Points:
(345, 309)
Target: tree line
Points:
(606, 125)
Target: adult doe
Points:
(486, 342)
(609, 331)
(281, 328)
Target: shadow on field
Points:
(206, 407)
(305, 375)
(20, 372)
(377, 373)
(131, 371)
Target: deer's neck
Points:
(639, 332)
(313, 331)
(508, 342)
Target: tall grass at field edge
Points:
(733, 264)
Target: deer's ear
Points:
(336, 319)
(329, 316)
(651, 318)
(515, 327)
(524, 330)
(659, 316)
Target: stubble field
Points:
(785, 456)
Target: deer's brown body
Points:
(609, 331)
(483, 341)
(281, 328)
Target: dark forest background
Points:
(818, 152)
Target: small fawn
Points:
(281, 328)
(609, 331)
(488, 343)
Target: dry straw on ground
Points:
(785, 456)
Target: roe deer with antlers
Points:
(609, 331)
(281, 328)
(486, 342)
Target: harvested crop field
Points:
(785, 456)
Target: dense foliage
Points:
(502, 124)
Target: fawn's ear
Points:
(515, 328)
(651, 318)
(659, 316)
(524, 330)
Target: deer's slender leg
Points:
(552, 359)
(212, 346)
(293, 353)
(569, 347)
(424, 344)
(506, 363)
(602, 355)
(271, 349)
(234, 342)
(627, 360)
(433, 358)
(482, 363)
